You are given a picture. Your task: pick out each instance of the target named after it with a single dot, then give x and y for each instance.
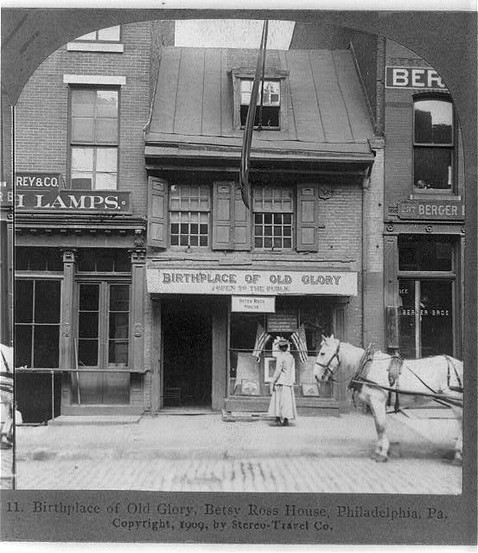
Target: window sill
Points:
(100, 47)
(435, 195)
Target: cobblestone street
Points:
(204, 453)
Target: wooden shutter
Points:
(242, 223)
(157, 212)
(231, 219)
(223, 211)
(307, 218)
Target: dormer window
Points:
(274, 105)
(270, 105)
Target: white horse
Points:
(374, 375)
(6, 389)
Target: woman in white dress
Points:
(282, 405)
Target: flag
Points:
(300, 342)
(251, 114)
(262, 337)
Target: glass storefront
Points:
(302, 321)
(426, 289)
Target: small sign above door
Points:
(253, 304)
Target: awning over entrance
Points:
(250, 283)
(324, 115)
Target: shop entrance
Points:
(187, 352)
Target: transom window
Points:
(111, 34)
(94, 139)
(273, 217)
(270, 105)
(189, 207)
(433, 144)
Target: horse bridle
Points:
(327, 365)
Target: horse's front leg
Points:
(378, 406)
(458, 458)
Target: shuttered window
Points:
(189, 207)
(273, 217)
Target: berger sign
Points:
(39, 181)
(431, 210)
(424, 78)
(250, 283)
(79, 201)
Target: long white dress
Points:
(282, 403)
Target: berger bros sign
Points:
(251, 283)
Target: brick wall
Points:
(42, 109)
(399, 132)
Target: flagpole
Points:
(249, 126)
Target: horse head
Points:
(327, 359)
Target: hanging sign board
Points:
(249, 283)
(253, 304)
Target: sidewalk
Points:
(205, 453)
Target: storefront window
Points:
(425, 316)
(426, 290)
(37, 323)
(252, 355)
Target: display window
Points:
(427, 282)
(252, 348)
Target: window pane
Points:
(118, 353)
(88, 36)
(432, 168)
(122, 262)
(46, 346)
(105, 262)
(111, 33)
(87, 353)
(107, 159)
(88, 325)
(47, 301)
(106, 181)
(406, 318)
(106, 130)
(81, 181)
(433, 122)
(23, 301)
(107, 103)
(23, 345)
(422, 253)
(89, 297)
(119, 298)
(82, 130)
(81, 159)
(436, 319)
(82, 103)
(119, 325)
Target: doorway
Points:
(187, 352)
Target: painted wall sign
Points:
(6, 194)
(424, 78)
(38, 181)
(253, 304)
(79, 201)
(431, 209)
(250, 283)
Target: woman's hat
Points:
(282, 342)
